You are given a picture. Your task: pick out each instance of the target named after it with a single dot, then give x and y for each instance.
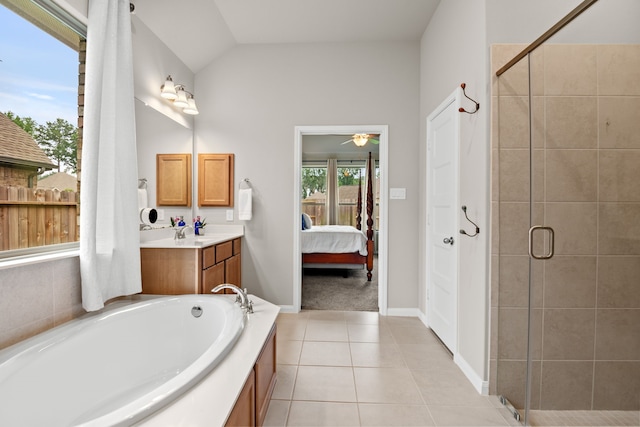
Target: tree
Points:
(313, 179)
(59, 140)
(348, 176)
(26, 123)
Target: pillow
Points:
(306, 222)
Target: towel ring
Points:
(244, 182)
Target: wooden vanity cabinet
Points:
(244, 411)
(222, 264)
(175, 271)
(258, 388)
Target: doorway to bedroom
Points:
(340, 200)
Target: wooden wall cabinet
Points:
(215, 180)
(175, 271)
(173, 179)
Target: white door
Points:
(442, 220)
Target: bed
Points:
(341, 246)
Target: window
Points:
(350, 174)
(41, 100)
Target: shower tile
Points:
(515, 81)
(619, 69)
(495, 175)
(568, 334)
(512, 376)
(514, 122)
(566, 385)
(618, 334)
(575, 227)
(570, 70)
(616, 386)
(495, 228)
(619, 231)
(618, 122)
(514, 281)
(571, 175)
(570, 282)
(495, 280)
(571, 122)
(514, 226)
(512, 339)
(618, 282)
(619, 175)
(514, 175)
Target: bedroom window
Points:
(41, 80)
(349, 174)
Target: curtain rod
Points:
(547, 35)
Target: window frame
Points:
(23, 256)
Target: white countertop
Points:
(163, 238)
(210, 402)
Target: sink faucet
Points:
(241, 297)
(180, 232)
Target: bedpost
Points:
(370, 245)
(359, 206)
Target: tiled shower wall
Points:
(37, 297)
(586, 299)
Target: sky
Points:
(38, 74)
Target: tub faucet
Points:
(241, 297)
(180, 232)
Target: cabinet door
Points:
(215, 179)
(212, 277)
(173, 179)
(233, 271)
(244, 411)
(265, 369)
(169, 271)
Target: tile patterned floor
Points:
(361, 369)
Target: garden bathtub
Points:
(117, 366)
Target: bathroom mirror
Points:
(159, 134)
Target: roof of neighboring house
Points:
(19, 148)
(61, 181)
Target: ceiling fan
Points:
(360, 139)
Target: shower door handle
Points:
(550, 247)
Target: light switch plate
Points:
(398, 193)
(229, 214)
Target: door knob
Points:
(448, 241)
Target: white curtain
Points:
(332, 191)
(109, 230)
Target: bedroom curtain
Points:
(368, 164)
(332, 191)
(109, 235)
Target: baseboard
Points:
(288, 309)
(478, 383)
(403, 312)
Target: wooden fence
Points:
(35, 217)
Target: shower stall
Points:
(565, 285)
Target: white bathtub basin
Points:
(116, 367)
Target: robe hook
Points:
(461, 109)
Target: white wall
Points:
(251, 99)
(453, 51)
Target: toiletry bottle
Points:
(181, 223)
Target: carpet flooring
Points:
(329, 289)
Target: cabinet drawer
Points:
(208, 257)
(224, 251)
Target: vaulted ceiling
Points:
(198, 31)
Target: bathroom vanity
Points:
(191, 265)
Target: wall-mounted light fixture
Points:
(179, 95)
